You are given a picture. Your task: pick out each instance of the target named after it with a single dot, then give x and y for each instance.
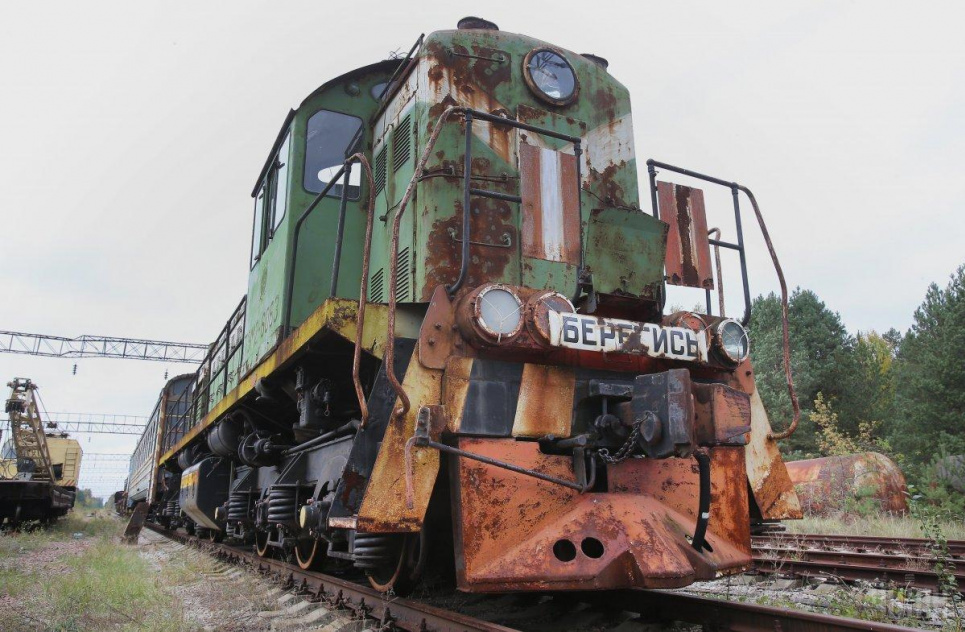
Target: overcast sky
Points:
(131, 135)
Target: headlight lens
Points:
(732, 340)
(538, 308)
(499, 312)
(550, 76)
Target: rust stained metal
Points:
(550, 209)
(767, 474)
(545, 404)
(438, 331)
(688, 248)
(537, 309)
(830, 485)
(722, 415)
(675, 483)
(510, 525)
(493, 246)
(455, 386)
(470, 78)
(381, 511)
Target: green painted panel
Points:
(494, 224)
(625, 251)
(216, 391)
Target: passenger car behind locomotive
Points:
(454, 337)
(146, 482)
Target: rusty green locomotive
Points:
(454, 341)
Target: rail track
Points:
(902, 561)
(311, 600)
(899, 546)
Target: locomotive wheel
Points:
(189, 528)
(310, 553)
(261, 543)
(215, 535)
(404, 573)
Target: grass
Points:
(106, 586)
(877, 525)
(34, 537)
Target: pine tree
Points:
(822, 360)
(929, 414)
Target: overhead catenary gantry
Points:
(100, 347)
(95, 423)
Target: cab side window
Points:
(279, 186)
(271, 202)
(257, 236)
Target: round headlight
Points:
(538, 308)
(550, 76)
(732, 340)
(499, 312)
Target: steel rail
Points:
(650, 604)
(851, 570)
(402, 613)
(901, 545)
(716, 614)
(881, 559)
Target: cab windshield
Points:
(330, 140)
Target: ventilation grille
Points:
(404, 283)
(380, 171)
(402, 143)
(377, 287)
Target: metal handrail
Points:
(389, 357)
(735, 188)
(653, 165)
(290, 284)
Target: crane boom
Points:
(27, 431)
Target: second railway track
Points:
(357, 607)
(904, 562)
(861, 544)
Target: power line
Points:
(100, 347)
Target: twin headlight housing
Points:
(498, 313)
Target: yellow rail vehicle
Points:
(39, 467)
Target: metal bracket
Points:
(506, 239)
(499, 59)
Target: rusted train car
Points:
(454, 341)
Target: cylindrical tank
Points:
(847, 484)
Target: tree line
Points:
(898, 393)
